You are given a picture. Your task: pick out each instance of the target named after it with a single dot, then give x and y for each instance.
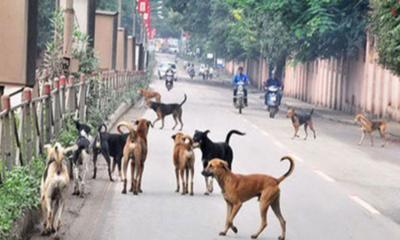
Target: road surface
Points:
(338, 190)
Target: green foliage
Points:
(68, 134)
(19, 191)
(385, 25)
(45, 28)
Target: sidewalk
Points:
(334, 115)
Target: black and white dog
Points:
(80, 158)
(211, 150)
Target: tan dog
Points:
(142, 129)
(184, 158)
(368, 126)
(130, 152)
(237, 189)
(53, 188)
(149, 94)
(301, 119)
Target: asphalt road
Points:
(338, 190)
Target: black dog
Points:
(211, 150)
(82, 127)
(163, 110)
(109, 145)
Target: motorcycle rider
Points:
(240, 77)
(274, 81)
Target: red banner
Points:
(143, 6)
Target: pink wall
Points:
(350, 85)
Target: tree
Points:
(385, 25)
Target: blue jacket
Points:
(240, 78)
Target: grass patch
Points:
(20, 190)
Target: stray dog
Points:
(211, 150)
(368, 126)
(184, 158)
(300, 119)
(109, 145)
(134, 153)
(148, 94)
(80, 164)
(53, 188)
(142, 129)
(163, 110)
(238, 188)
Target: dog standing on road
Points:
(238, 189)
(142, 130)
(53, 188)
(211, 150)
(163, 109)
(301, 119)
(109, 145)
(368, 126)
(80, 164)
(149, 94)
(184, 158)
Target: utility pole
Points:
(119, 13)
(134, 19)
(68, 27)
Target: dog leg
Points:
(124, 172)
(108, 160)
(362, 137)
(180, 120)
(211, 185)
(132, 176)
(311, 125)
(207, 192)
(59, 215)
(228, 213)
(383, 136)
(191, 180)
(158, 119)
(305, 130)
(296, 130)
(140, 177)
(187, 180)
(182, 175)
(264, 204)
(95, 153)
(176, 121)
(235, 209)
(162, 122)
(177, 179)
(275, 205)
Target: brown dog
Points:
(301, 119)
(53, 188)
(237, 189)
(184, 158)
(368, 126)
(142, 129)
(149, 94)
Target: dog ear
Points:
(136, 122)
(206, 132)
(47, 148)
(225, 165)
(149, 124)
(173, 136)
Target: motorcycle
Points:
(191, 73)
(240, 97)
(272, 100)
(169, 81)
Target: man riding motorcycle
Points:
(274, 81)
(240, 77)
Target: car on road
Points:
(163, 67)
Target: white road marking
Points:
(265, 133)
(324, 176)
(365, 205)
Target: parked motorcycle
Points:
(272, 100)
(169, 81)
(240, 97)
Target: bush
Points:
(20, 190)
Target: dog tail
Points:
(103, 125)
(312, 111)
(230, 134)
(184, 100)
(125, 124)
(291, 168)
